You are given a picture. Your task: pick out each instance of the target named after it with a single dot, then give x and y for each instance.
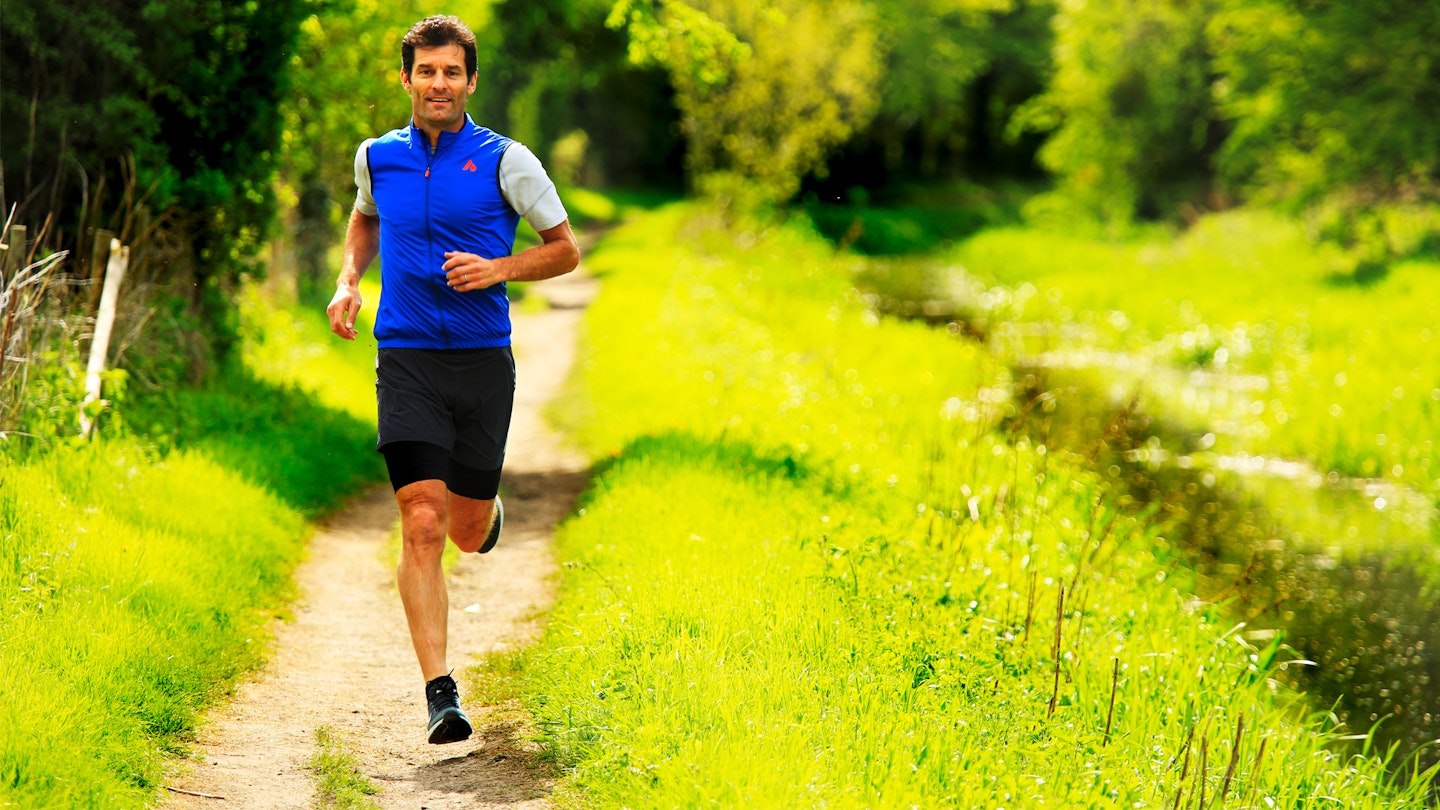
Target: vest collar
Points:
(418, 135)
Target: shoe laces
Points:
(442, 694)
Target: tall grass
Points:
(137, 589)
(818, 569)
(141, 571)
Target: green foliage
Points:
(1158, 110)
(956, 70)
(115, 549)
(237, 420)
(557, 78)
(821, 571)
(1328, 97)
(1348, 376)
(158, 120)
(936, 49)
(765, 92)
(133, 596)
(1130, 105)
(929, 219)
(344, 87)
(770, 97)
(295, 389)
(1265, 380)
(1330, 108)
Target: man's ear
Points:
(404, 79)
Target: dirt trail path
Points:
(346, 662)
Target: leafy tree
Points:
(955, 71)
(1320, 105)
(1328, 95)
(766, 91)
(344, 88)
(187, 93)
(1134, 128)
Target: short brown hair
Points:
(438, 31)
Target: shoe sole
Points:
(494, 536)
(451, 726)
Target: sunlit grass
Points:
(141, 570)
(817, 570)
(294, 346)
(135, 596)
(1347, 369)
(339, 782)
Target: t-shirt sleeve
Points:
(528, 188)
(364, 195)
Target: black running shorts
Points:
(457, 399)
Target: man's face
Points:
(438, 87)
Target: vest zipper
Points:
(430, 245)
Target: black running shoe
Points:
(494, 536)
(448, 722)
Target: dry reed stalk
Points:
(1234, 756)
(1114, 687)
(1200, 771)
(1254, 782)
(1184, 771)
(1059, 624)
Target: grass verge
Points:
(142, 570)
(819, 566)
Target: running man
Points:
(439, 201)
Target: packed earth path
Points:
(345, 661)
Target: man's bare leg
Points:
(419, 578)
(428, 512)
(423, 524)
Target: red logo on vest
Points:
(469, 166)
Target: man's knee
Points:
(422, 515)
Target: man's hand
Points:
(343, 309)
(466, 271)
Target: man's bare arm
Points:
(362, 245)
(557, 254)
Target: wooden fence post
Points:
(95, 271)
(13, 258)
(104, 323)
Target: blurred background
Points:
(206, 133)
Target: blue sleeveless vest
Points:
(431, 202)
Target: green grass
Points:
(138, 587)
(1346, 367)
(141, 571)
(339, 783)
(817, 569)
